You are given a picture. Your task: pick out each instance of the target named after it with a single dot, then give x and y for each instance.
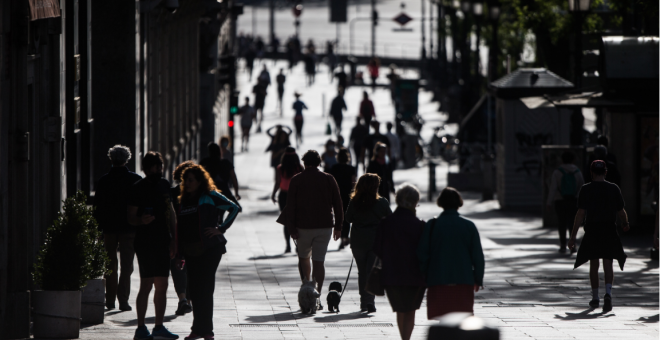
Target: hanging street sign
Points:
(402, 19)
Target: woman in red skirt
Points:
(451, 257)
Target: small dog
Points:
(334, 297)
(308, 297)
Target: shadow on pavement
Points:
(584, 315)
(333, 317)
(649, 319)
(279, 317)
(150, 320)
(268, 257)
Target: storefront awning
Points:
(577, 100)
(43, 9)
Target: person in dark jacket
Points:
(110, 204)
(367, 111)
(379, 165)
(221, 171)
(289, 167)
(337, 108)
(201, 241)
(365, 210)
(356, 140)
(346, 175)
(451, 257)
(396, 246)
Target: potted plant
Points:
(70, 256)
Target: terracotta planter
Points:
(93, 302)
(56, 314)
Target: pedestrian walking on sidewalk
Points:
(179, 276)
(222, 172)
(356, 140)
(110, 204)
(280, 79)
(201, 242)
(288, 167)
(367, 111)
(298, 107)
(600, 202)
(248, 115)
(451, 258)
(337, 107)
(310, 67)
(312, 201)
(396, 246)
(150, 210)
(224, 149)
(565, 183)
(395, 145)
(379, 165)
(342, 78)
(250, 55)
(279, 141)
(374, 69)
(369, 143)
(259, 91)
(329, 156)
(365, 211)
(346, 175)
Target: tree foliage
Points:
(72, 252)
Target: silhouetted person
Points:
(312, 210)
(280, 79)
(565, 183)
(150, 210)
(367, 111)
(110, 204)
(601, 203)
(337, 108)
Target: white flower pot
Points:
(93, 302)
(56, 314)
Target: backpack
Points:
(568, 186)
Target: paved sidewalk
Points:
(531, 290)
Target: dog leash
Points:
(349, 275)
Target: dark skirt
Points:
(405, 298)
(444, 299)
(598, 246)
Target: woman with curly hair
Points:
(201, 242)
(365, 211)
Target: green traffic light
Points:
(233, 110)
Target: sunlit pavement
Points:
(531, 290)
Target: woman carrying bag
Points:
(201, 241)
(451, 257)
(365, 211)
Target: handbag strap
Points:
(435, 220)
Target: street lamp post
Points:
(465, 42)
(579, 8)
(478, 11)
(494, 11)
(297, 11)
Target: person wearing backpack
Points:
(565, 183)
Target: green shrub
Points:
(72, 252)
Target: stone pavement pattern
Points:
(531, 290)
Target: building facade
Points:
(76, 78)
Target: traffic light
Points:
(374, 17)
(233, 104)
(338, 9)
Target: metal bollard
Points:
(462, 326)
(432, 187)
